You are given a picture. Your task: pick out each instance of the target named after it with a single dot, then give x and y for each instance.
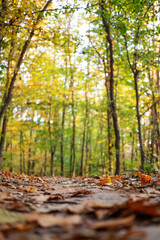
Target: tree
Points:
(111, 86)
(13, 20)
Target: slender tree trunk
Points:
(101, 145)
(11, 154)
(109, 142)
(24, 162)
(123, 152)
(63, 122)
(29, 154)
(82, 151)
(62, 139)
(33, 163)
(135, 72)
(87, 147)
(52, 147)
(87, 120)
(2, 139)
(45, 162)
(73, 127)
(53, 151)
(153, 119)
(132, 147)
(111, 90)
(139, 121)
(21, 154)
(157, 117)
(84, 129)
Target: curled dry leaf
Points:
(145, 207)
(98, 205)
(48, 220)
(55, 197)
(81, 192)
(114, 224)
(78, 210)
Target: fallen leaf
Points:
(81, 192)
(54, 197)
(48, 220)
(104, 181)
(117, 223)
(145, 179)
(145, 207)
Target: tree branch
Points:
(149, 107)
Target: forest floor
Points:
(101, 208)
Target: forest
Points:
(79, 87)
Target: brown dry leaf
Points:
(144, 207)
(78, 210)
(81, 192)
(48, 220)
(55, 197)
(117, 223)
(98, 205)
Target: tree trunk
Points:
(111, 89)
(63, 122)
(157, 117)
(123, 153)
(82, 151)
(53, 151)
(139, 120)
(29, 154)
(135, 72)
(73, 126)
(24, 162)
(132, 147)
(21, 154)
(45, 162)
(11, 154)
(2, 139)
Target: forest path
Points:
(118, 208)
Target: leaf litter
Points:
(105, 207)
